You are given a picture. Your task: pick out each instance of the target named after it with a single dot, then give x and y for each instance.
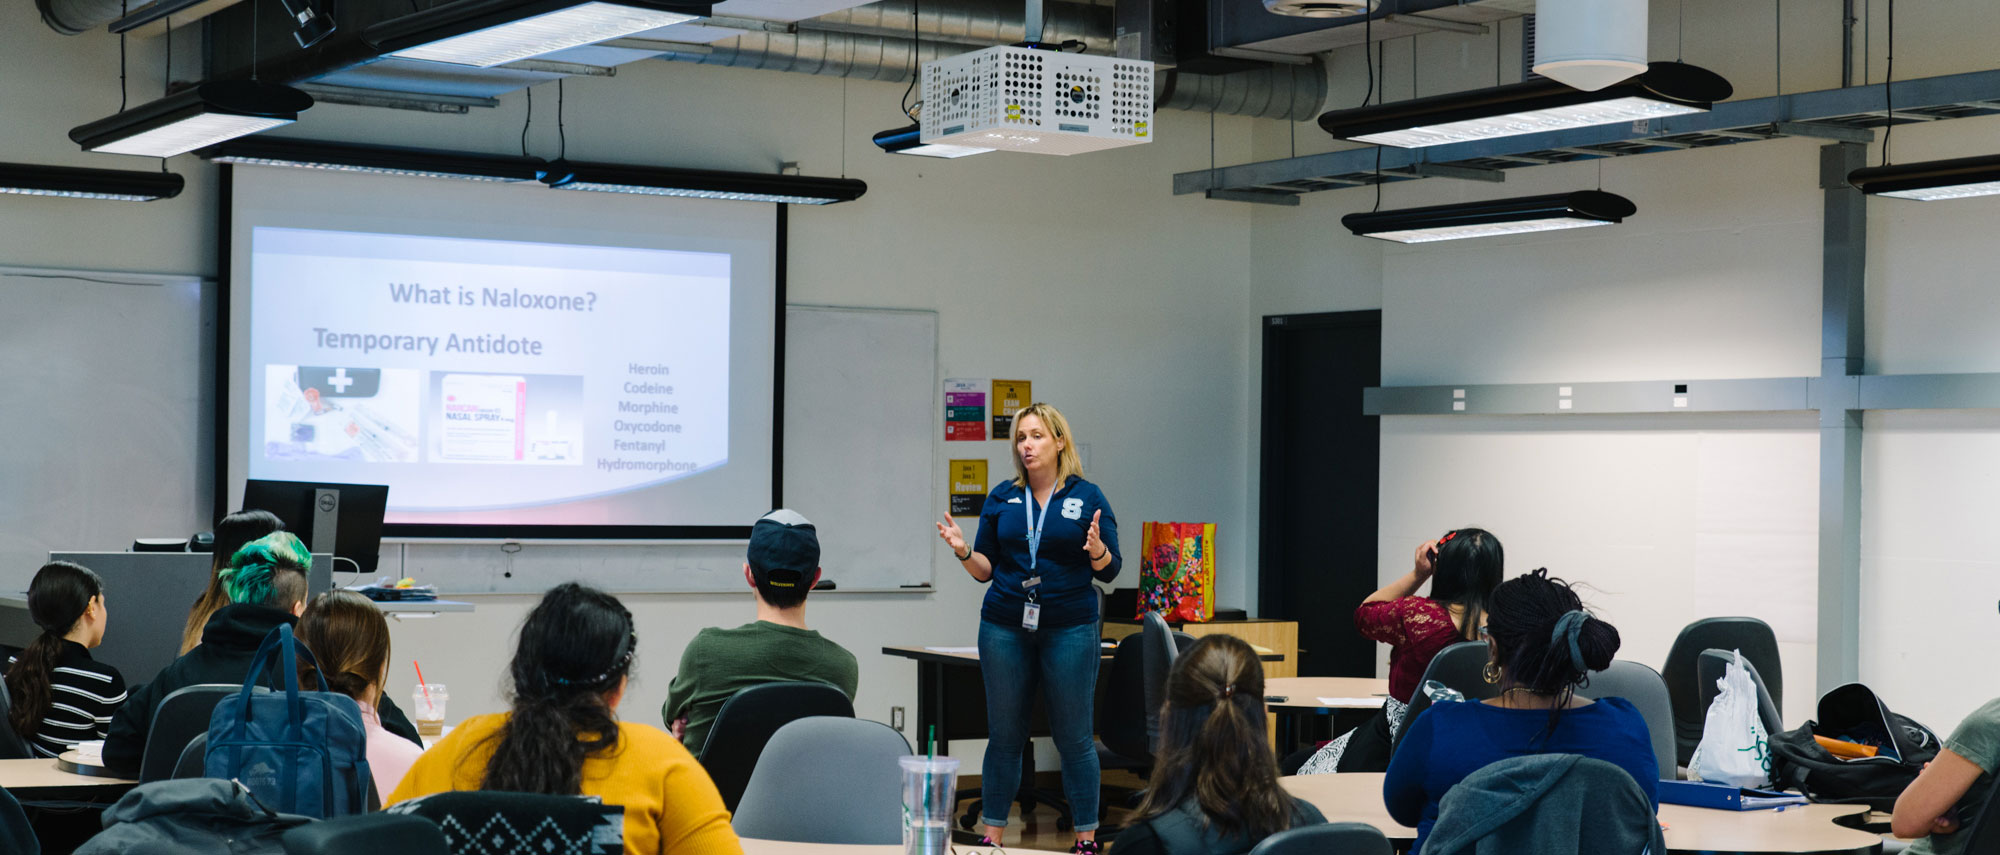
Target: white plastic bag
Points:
(1734, 747)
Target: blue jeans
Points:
(1013, 662)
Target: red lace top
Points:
(1415, 628)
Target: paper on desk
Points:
(1351, 703)
(93, 750)
(972, 649)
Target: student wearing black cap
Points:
(776, 648)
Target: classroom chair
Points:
(179, 718)
(827, 780)
(194, 758)
(490, 822)
(367, 834)
(748, 719)
(15, 833)
(1715, 663)
(1333, 838)
(1457, 667)
(1748, 634)
(12, 746)
(1982, 831)
(1162, 646)
(1644, 688)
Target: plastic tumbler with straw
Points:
(930, 786)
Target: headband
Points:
(1568, 627)
(626, 647)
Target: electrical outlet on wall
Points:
(896, 718)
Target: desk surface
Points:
(40, 779)
(1357, 797)
(1304, 693)
(964, 655)
(781, 847)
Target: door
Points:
(1320, 468)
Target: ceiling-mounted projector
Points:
(1319, 8)
(1038, 101)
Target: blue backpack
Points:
(299, 752)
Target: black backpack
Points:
(1855, 714)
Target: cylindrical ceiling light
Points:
(1590, 44)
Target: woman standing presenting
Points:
(1039, 622)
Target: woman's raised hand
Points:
(953, 536)
(1093, 541)
(1426, 560)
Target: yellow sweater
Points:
(671, 806)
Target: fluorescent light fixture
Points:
(486, 33)
(1581, 209)
(381, 160)
(1933, 180)
(203, 114)
(910, 141)
(1534, 106)
(26, 179)
(702, 183)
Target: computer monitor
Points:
(344, 519)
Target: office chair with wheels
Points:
(1715, 663)
(12, 746)
(827, 780)
(1458, 667)
(748, 719)
(1748, 634)
(1643, 687)
(1335, 838)
(179, 718)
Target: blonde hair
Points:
(1067, 461)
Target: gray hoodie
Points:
(1548, 804)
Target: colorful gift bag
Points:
(1177, 571)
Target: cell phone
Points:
(1275, 699)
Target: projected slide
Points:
(475, 375)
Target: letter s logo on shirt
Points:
(1072, 509)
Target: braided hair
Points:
(576, 647)
(1544, 641)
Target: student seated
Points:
(266, 584)
(563, 736)
(1462, 568)
(60, 695)
(231, 534)
(776, 648)
(350, 639)
(1543, 644)
(1943, 801)
(1214, 789)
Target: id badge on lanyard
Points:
(1031, 613)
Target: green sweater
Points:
(721, 662)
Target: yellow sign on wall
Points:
(1009, 396)
(967, 487)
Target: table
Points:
(1357, 695)
(783, 847)
(39, 780)
(1357, 797)
(1266, 635)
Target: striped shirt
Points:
(83, 695)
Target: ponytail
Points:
(349, 640)
(1212, 746)
(576, 647)
(57, 598)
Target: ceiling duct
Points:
(71, 17)
(975, 22)
(1247, 29)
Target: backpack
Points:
(299, 752)
(1855, 714)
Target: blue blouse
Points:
(1452, 740)
(1065, 593)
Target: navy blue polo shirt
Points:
(1065, 593)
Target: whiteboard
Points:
(107, 384)
(862, 421)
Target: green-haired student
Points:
(266, 583)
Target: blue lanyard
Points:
(1034, 525)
